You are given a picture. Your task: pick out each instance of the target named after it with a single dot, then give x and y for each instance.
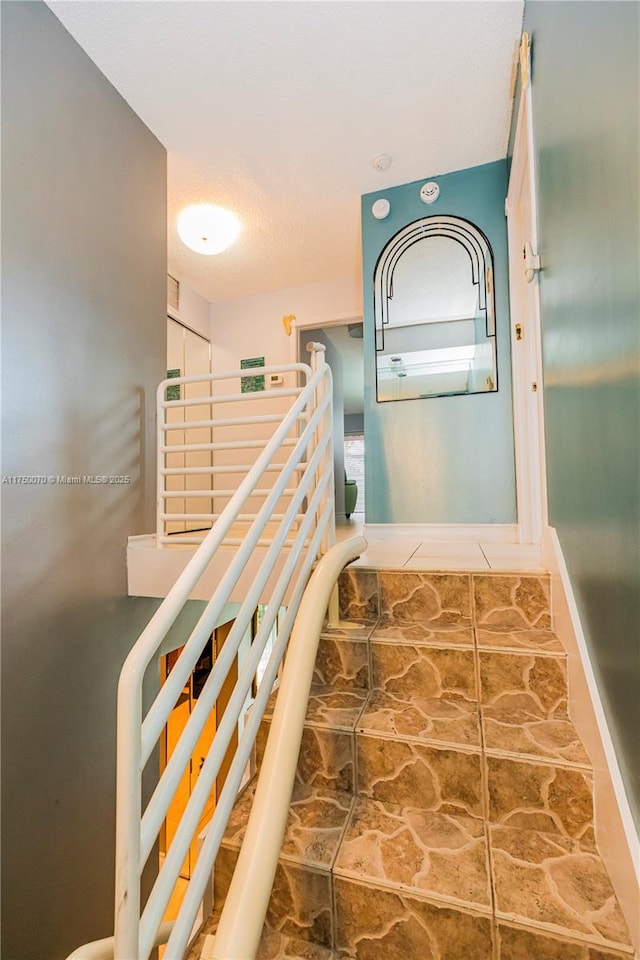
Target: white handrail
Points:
(104, 949)
(245, 908)
(211, 470)
(298, 458)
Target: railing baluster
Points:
(285, 501)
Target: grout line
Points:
(417, 893)
(364, 706)
(485, 556)
(566, 935)
(356, 765)
(467, 748)
(334, 900)
(486, 797)
(498, 754)
(522, 651)
(430, 644)
(356, 771)
(472, 598)
(370, 660)
(412, 555)
(495, 937)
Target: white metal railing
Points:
(240, 926)
(192, 492)
(298, 532)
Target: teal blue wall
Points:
(585, 108)
(441, 459)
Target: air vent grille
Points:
(173, 292)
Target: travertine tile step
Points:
(428, 853)
(436, 720)
(443, 801)
(499, 600)
(273, 946)
(301, 902)
(316, 822)
(374, 923)
(410, 773)
(560, 885)
(277, 946)
(412, 877)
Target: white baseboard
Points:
(616, 833)
(474, 532)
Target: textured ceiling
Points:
(276, 110)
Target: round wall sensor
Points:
(381, 209)
(382, 162)
(429, 192)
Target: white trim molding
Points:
(616, 833)
(473, 532)
(526, 342)
(317, 323)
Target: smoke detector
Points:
(429, 192)
(381, 209)
(382, 162)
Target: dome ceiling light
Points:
(207, 229)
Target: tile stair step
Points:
(412, 751)
(277, 946)
(342, 662)
(443, 799)
(413, 876)
(273, 946)
(508, 600)
(394, 924)
(301, 901)
(411, 773)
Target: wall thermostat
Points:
(429, 192)
(381, 209)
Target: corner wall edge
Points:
(615, 828)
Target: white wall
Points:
(195, 311)
(252, 326)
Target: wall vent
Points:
(173, 292)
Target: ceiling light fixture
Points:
(207, 229)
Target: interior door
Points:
(526, 341)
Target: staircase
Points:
(443, 803)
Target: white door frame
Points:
(526, 337)
(297, 326)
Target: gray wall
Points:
(585, 87)
(353, 423)
(83, 307)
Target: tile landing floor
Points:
(410, 554)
